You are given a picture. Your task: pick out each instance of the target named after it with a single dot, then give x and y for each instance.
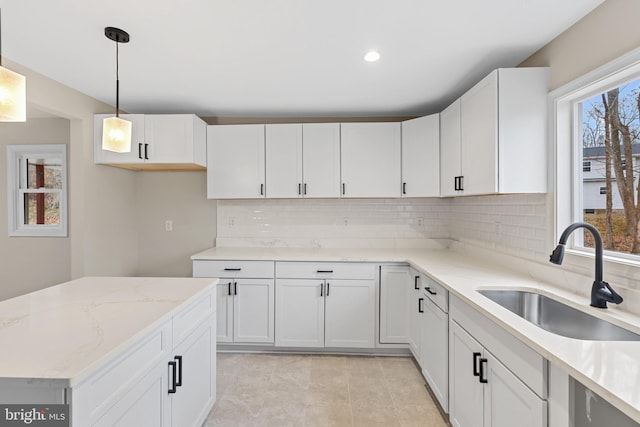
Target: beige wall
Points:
(182, 198)
(102, 231)
(606, 33)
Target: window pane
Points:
(42, 208)
(44, 173)
(610, 142)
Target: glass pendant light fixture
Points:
(13, 92)
(116, 132)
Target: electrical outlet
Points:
(232, 221)
(420, 222)
(168, 225)
(346, 221)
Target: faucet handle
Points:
(601, 293)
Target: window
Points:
(598, 116)
(37, 193)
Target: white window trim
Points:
(15, 209)
(563, 128)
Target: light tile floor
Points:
(307, 390)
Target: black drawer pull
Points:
(172, 389)
(299, 189)
(327, 288)
(476, 372)
(140, 151)
(324, 271)
(232, 269)
(235, 288)
(483, 362)
(404, 188)
(321, 289)
(262, 189)
(428, 289)
(420, 300)
(305, 189)
(229, 290)
(415, 284)
(146, 151)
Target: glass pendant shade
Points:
(116, 135)
(13, 96)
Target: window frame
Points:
(564, 127)
(16, 190)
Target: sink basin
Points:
(558, 318)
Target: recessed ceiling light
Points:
(371, 56)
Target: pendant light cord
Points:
(117, 83)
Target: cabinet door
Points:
(394, 304)
(195, 395)
(300, 312)
(479, 136)
(434, 334)
(421, 157)
(144, 405)
(172, 138)
(224, 311)
(370, 159)
(136, 155)
(283, 156)
(321, 159)
(508, 401)
(450, 149)
(465, 391)
(414, 306)
(235, 162)
(253, 311)
(349, 313)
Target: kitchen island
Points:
(118, 350)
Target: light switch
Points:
(168, 225)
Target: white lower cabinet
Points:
(245, 299)
(396, 304)
(485, 390)
(167, 379)
(325, 311)
(434, 342)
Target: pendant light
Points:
(116, 132)
(13, 93)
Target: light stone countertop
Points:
(610, 368)
(66, 332)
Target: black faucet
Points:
(601, 291)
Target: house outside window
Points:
(586, 166)
(37, 193)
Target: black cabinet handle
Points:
(321, 289)
(428, 289)
(299, 189)
(140, 151)
(232, 269)
(483, 362)
(262, 189)
(229, 290)
(415, 284)
(343, 188)
(305, 189)
(235, 288)
(460, 183)
(328, 288)
(456, 185)
(146, 151)
(172, 388)
(178, 360)
(324, 271)
(476, 372)
(404, 188)
(420, 310)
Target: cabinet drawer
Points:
(246, 269)
(325, 270)
(436, 293)
(192, 316)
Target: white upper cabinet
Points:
(303, 160)
(321, 159)
(235, 162)
(158, 142)
(421, 157)
(370, 154)
(450, 170)
(283, 144)
(502, 135)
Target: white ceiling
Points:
(280, 57)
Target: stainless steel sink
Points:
(558, 318)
